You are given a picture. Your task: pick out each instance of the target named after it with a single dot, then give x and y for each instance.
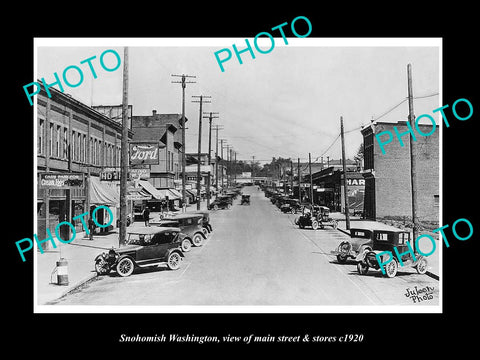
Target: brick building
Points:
(73, 138)
(387, 176)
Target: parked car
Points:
(207, 227)
(245, 200)
(191, 225)
(222, 202)
(360, 241)
(386, 240)
(149, 246)
(315, 216)
(291, 206)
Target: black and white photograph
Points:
(269, 184)
(223, 178)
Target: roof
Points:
(152, 230)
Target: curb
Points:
(74, 287)
(428, 273)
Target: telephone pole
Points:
(299, 182)
(216, 128)
(210, 117)
(201, 101)
(413, 161)
(311, 181)
(124, 154)
(291, 176)
(183, 82)
(345, 187)
(223, 161)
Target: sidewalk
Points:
(80, 255)
(355, 222)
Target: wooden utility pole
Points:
(345, 187)
(199, 188)
(311, 181)
(210, 117)
(183, 82)
(299, 181)
(291, 176)
(413, 151)
(216, 128)
(124, 154)
(223, 165)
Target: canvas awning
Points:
(149, 188)
(100, 194)
(171, 193)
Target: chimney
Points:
(154, 112)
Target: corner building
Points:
(387, 176)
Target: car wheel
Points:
(215, 207)
(174, 260)
(334, 224)
(301, 226)
(197, 240)
(295, 221)
(314, 225)
(125, 267)
(205, 231)
(229, 206)
(101, 267)
(391, 269)
(342, 259)
(186, 245)
(421, 266)
(362, 268)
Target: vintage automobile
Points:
(291, 206)
(315, 216)
(191, 225)
(245, 200)
(207, 227)
(360, 241)
(149, 246)
(222, 202)
(386, 240)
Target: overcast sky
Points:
(285, 103)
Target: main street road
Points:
(257, 256)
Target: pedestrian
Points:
(146, 216)
(91, 227)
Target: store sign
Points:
(141, 174)
(112, 174)
(61, 181)
(144, 153)
(356, 182)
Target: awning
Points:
(171, 193)
(102, 195)
(149, 188)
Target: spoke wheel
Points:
(174, 260)
(314, 224)
(101, 267)
(197, 240)
(362, 268)
(421, 266)
(391, 269)
(186, 245)
(125, 267)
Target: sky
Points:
(285, 103)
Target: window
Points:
(65, 143)
(50, 141)
(79, 147)
(73, 155)
(58, 141)
(436, 200)
(84, 150)
(381, 236)
(41, 129)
